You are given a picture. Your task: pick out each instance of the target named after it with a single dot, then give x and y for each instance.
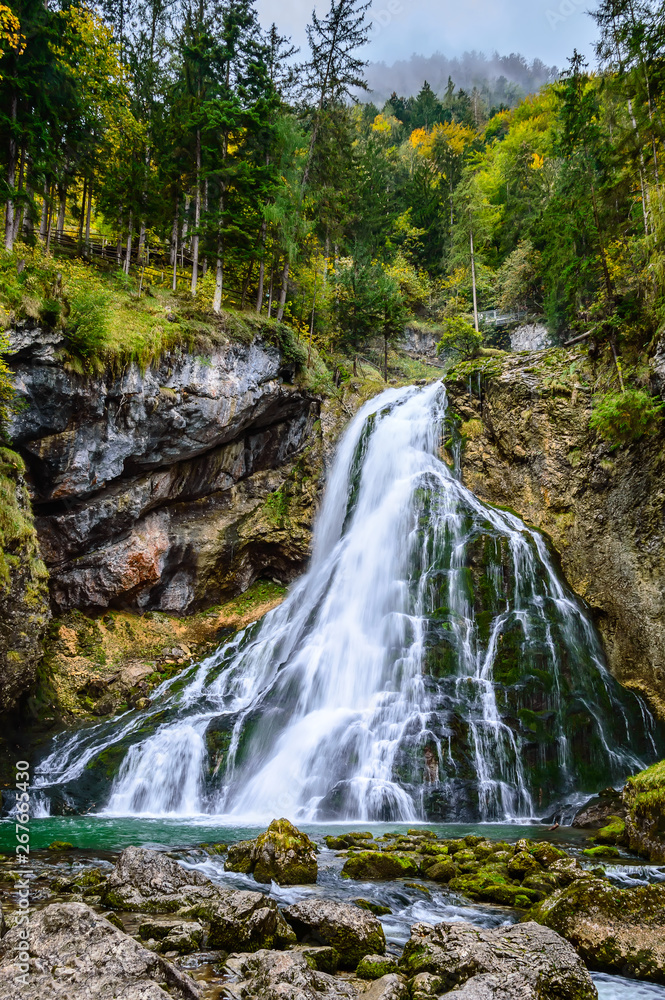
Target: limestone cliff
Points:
(150, 487)
(24, 606)
(527, 445)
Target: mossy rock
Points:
(442, 871)
(60, 845)
(375, 966)
(542, 882)
(546, 854)
(285, 855)
(429, 834)
(602, 851)
(614, 930)
(488, 886)
(613, 833)
(380, 865)
(522, 864)
(323, 958)
(239, 857)
(644, 799)
(376, 908)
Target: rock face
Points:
(352, 931)
(643, 800)
(528, 446)
(282, 854)
(614, 930)
(75, 952)
(522, 961)
(24, 605)
(146, 881)
(269, 975)
(153, 488)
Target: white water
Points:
(324, 700)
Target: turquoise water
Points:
(106, 833)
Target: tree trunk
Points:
(473, 281)
(128, 251)
(62, 208)
(282, 294)
(262, 266)
(43, 224)
(197, 216)
(18, 213)
(11, 175)
(82, 217)
(219, 265)
(88, 215)
(183, 238)
(270, 288)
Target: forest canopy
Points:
(186, 137)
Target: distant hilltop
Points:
(512, 77)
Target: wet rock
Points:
(282, 854)
(643, 798)
(323, 958)
(172, 934)
(522, 864)
(378, 909)
(492, 886)
(353, 932)
(269, 975)
(567, 870)
(614, 930)
(546, 854)
(376, 966)
(597, 811)
(458, 952)
(146, 881)
(380, 865)
(76, 953)
(442, 871)
(496, 987)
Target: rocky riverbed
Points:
(394, 915)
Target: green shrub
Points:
(460, 338)
(50, 312)
(88, 322)
(622, 417)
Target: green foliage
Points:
(87, 326)
(622, 417)
(459, 338)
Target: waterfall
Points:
(430, 664)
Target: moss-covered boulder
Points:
(546, 854)
(644, 800)
(352, 931)
(615, 930)
(567, 870)
(282, 854)
(378, 909)
(375, 966)
(614, 832)
(491, 886)
(522, 864)
(442, 871)
(602, 851)
(533, 964)
(346, 840)
(381, 865)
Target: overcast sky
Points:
(544, 29)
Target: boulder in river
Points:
(282, 854)
(614, 930)
(536, 965)
(271, 975)
(147, 881)
(76, 954)
(352, 931)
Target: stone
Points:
(380, 865)
(390, 987)
(425, 985)
(458, 952)
(323, 958)
(494, 887)
(282, 854)
(145, 480)
(147, 881)
(643, 798)
(352, 931)
(173, 934)
(378, 909)
(614, 930)
(522, 864)
(442, 871)
(567, 870)
(75, 952)
(375, 966)
(270, 975)
(546, 854)
(511, 986)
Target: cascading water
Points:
(431, 664)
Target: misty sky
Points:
(544, 29)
